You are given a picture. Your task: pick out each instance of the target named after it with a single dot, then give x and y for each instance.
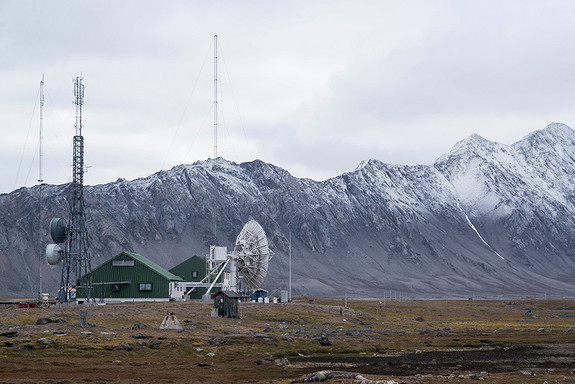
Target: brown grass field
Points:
(412, 341)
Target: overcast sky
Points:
(311, 86)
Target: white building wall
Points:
(177, 290)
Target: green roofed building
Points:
(132, 277)
(192, 269)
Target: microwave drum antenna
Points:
(58, 230)
(54, 254)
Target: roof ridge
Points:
(150, 264)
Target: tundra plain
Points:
(524, 340)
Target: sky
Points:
(314, 87)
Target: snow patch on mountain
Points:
(477, 232)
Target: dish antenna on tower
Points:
(248, 262)
(250, 257)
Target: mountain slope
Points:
(485, 219)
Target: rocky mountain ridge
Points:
(486, 219)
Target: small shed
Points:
(259, 293)
(226, 303)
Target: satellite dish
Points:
(54, 254)
(252, 253)
(58, 230)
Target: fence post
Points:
(83, 318)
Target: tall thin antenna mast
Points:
(41, 183)
(78, 101)
(215, 117)
(41, 150)
(215, 96)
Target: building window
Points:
(194, 274)
(115, 287)
(122, 263)
(145, 287)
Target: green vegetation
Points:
(124, 342)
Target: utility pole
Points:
(289, 299)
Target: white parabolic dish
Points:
(252, 253)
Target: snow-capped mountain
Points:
(485, 219)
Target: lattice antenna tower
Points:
(77, 260)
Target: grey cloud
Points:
(317, 86)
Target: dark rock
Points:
(154, 344)
(324, 341)
(140, 336)
(123, 347)
(360, 322)
(436, 332)
(218, 341)
(46, 341)
(44, 320)
(139, 326)
(13, 343)
(9, 334)
(266, 361)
